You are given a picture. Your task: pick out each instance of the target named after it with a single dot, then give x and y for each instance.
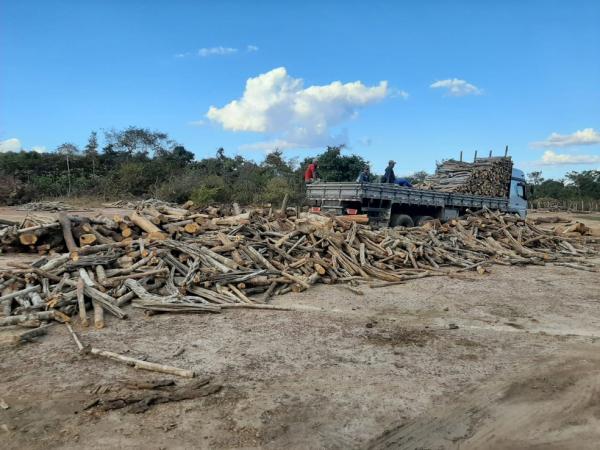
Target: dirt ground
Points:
(508, 359)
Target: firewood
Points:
(98, 315)
(28, 238)
(136, 363)
(87, 239)
(192, 228)
(236, 261)
(81, 303)
(488, 177)
(65, 224)
(14, 320)
(153, 231)
(358, 218)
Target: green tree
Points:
(586, 183)
(333, 166)
(417, 177)
(91, 151)
(138, 141)
(535, 178)
(69, 150)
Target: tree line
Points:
(575, 187)
(139, 162)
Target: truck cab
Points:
(517, 199)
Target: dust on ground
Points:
(501, 360)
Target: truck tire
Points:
(420, 220)
(401, 220)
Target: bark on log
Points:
(98, 315)
(65, 224)
(153, 231)
(144, 365)
(14, 320)
(81, 303)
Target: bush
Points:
(212, 190)
(275, 190)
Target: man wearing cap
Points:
(389, 176)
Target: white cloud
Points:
(456, 87)
(14, 145)
(587, 136)
(551, 158)
(10, 145)
(279, 105)
(216, 51)
(399, 93)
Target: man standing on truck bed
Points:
(311, 175)
(364, 176)
(388, 176)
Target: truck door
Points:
(517, 202)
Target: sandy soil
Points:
(382, 370)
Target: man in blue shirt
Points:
(388, 176)
(364, 176)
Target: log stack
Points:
(489, 177)
(242, 261)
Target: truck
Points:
(393, 205)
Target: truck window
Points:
(520, 190)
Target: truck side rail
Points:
(400, 194)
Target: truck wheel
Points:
(420, 220)
(401, 220)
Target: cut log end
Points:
(28, 238)
(87, 239)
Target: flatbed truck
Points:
(393, 205)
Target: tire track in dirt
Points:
(553, 405)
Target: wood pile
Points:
(489, 177)
(138, 204)
(46, 206)
(175, 260)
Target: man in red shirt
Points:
(311, 175)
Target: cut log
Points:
(87, 239)
(15, 320)
(98, 315)
(28, 238)
(65, 224)
(81, 303)
(358, 218)
(192, 228)
(154, 233)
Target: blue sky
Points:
(461, 75)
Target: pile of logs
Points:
(45, 206)
(138, 204)
(488, 177)
(177, 260)
(69, 232)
